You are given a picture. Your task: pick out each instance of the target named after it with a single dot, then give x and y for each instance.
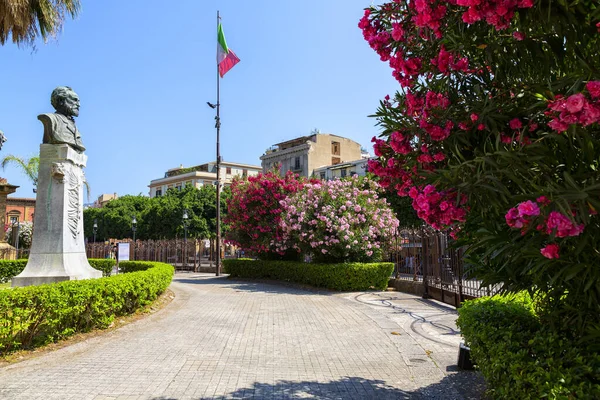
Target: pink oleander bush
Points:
(254, 213)
(494, 135)
(338, 221)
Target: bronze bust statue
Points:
(59, 127)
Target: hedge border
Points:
(10, 268)
(520, 357)
(37, 315)
(342, 276)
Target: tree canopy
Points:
(24, 21)
(158, 217)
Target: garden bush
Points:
(254, 213)
(520, 358)
(494, 135)
(103, 264)
(342, 220)
(343, 276)
(10, 268)
(37, 315)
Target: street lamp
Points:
(17, 225)
(133, 229)
(185, 226)
(95, 228)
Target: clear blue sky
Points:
(144, 71)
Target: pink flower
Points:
(515, 123)
(562, 225)
(543, 200)
(474, 117)
(513, 219)
(557, 125)
(550, 251)
(576, 102)
(519, 35)
(593, 87)
(528, 208)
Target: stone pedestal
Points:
(6, 250)
(58, 249)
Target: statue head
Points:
(65, 101)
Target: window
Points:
(297, 163)
(335, 160)
(178, 187)
(335, 148)
(228, 170)
(158, 192)
(14, 219)
(244, 172)
(322, 175)
(343, 172)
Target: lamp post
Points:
(17, 225)
(185, 226)
(133, 229)
(95, 228)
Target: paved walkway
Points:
(236, 339)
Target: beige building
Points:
(200, 175)
(302, 155)
(342, 170)
(103, 199)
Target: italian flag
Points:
(226, 58)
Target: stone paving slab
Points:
(225, 339)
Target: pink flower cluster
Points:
(550, 251)
(498, 13)
(446, 61)
(338, 220)
(253, 211)
(555, 223)
(576, 109)
(438, 208)
(520, 216)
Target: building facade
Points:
(19, 209)
(200, 175)
(304, 154)
(342, 170)
(103, 199)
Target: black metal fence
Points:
(185, 255)
(428, 257)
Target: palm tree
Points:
(29, 166)
(26, 20)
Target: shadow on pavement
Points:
(460, 386)
(262, 286)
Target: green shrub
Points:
(520, 357)
(103, 264)
(10, 268)
(345, 276)
(35, 315)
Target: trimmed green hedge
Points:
(36, 315)
(345, 277)
(10, 268)
(522, 359)
(103, 264)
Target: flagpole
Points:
(218, 126)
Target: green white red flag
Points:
(226, 58)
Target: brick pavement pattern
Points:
(237, 339)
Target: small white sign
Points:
(123, 252)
